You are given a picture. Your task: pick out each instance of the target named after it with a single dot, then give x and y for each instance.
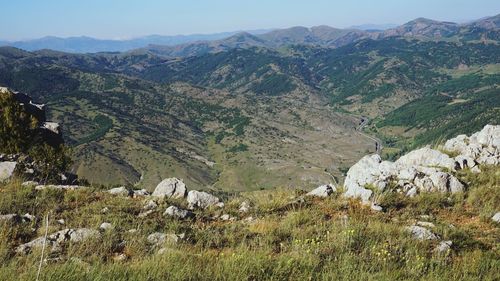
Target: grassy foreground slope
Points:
(318, 239)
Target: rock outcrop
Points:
(482, 147)
(425, 169)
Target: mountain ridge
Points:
(481, 29)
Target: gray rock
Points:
(425, 157)
(412, 192)
(489, 136)
(407, 174)
(455, 185)
(376, 207)
(170, 188)
(158, 239)
(60, 187)
(30, 183)
(439, 181)
(7, 170)
(457, 144)
(322, 191)
(121, 191)
(106, 226)
(28, 217)
(496, 217)
(145, 213)
(82, 234)
(365, 171)
(388, 170)
(225, 217)
(14, 218)
(443, 247)
(55, 240)
(177, 213)
(140, 193)
(465, 162)
(421, 233)
(51, 126)
(203, 200)
(150, 205)
(244, 207)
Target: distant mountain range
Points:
(84, 44)
(485, 29)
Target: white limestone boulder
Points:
(170, 188)
(202, 200)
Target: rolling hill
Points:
(255, 112)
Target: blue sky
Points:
(23, 19)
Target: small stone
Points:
(145, 213)
(158, 238)
(249, 219)
(421, 233)
(496, 217)
(105, 210)
(120, 191)
(106, 226)
(28, 217)
(443, 247)
(376, 207)
(244, 207)
(225, 217)
(150, 205)
(199, 199)
(177, 213)
(140, 193)
(61, 221)
(30, 183)
(322, 191)
(10, 218)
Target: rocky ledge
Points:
(425, 169)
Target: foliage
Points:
(104, 124)
(17, 127)
(20, 134)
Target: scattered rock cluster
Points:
(176, 189)
(425, 169)
(55, 240)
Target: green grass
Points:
(329, 239)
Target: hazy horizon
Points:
(127, 19)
